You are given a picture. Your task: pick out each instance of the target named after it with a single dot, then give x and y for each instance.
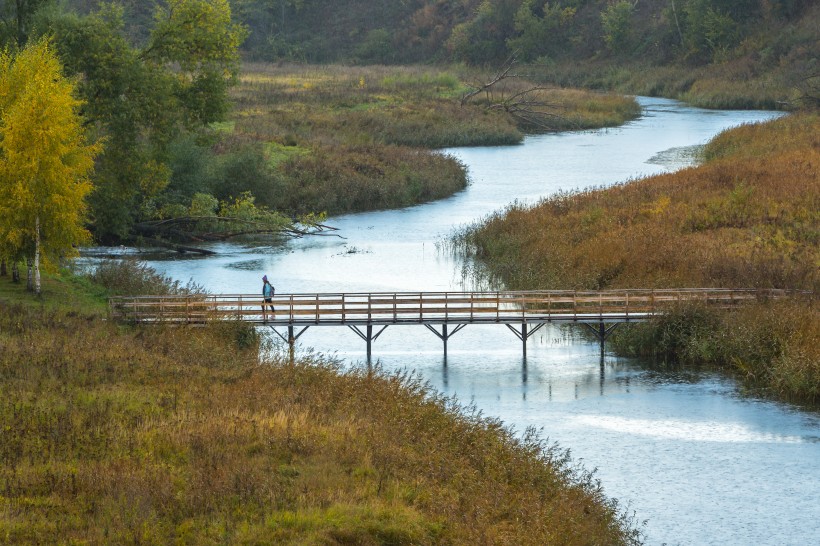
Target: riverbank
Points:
(746, 218)
(342, 139)
(121, 434)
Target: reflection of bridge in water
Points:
(443, 313)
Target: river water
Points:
(683, 450)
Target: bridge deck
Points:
(425, 307)
(524, 312)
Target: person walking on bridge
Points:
(267, 294)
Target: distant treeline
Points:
(488, 31)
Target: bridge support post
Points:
(601, 331)
(444, 336)
(369, 341)
(291, 337)
(368, 336)
(525, 333)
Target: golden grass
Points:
(115, 435)
(749, 217)
(346, 139)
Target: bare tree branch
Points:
(527, 106)
(172, 232)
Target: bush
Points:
(135, 278)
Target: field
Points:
(341, 139)
(121, 435)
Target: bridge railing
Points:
(425, 307)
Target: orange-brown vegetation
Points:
(748, 217)
(115, 435)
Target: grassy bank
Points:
(725, 86)
(773, 67)
(114, 435)
(749, 217)
(342, 139)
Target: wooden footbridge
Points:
(443, 313)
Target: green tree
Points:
(483, 39)
(541, 29)
(709, 27)
(197, 42)
(616, 21)
(45, 161)
(16, 18)
(142, 98)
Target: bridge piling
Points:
(368, 336)
(601, 332)
(445, 336)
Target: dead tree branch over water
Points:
(179, 232)
(512, 93)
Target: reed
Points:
(732, 85)
(341, 139)
(748, 217)
(131, 435)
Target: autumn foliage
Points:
(113, 436)
(748, 217)
(45, 161)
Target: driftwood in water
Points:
(179, 248)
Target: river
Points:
(683, 450)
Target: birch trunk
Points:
(37, 255)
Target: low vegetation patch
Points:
(749, 217)
(341, 139)
(131, 435)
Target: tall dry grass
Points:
(146, 436)
(749, 217)
(343, 139)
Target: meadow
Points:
(748, 217)
(340, 139)
(115, 434)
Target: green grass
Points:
(60, 290)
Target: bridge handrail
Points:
(449, 306)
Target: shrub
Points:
(135, 278)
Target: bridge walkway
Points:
(443, 313)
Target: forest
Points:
(694, 32)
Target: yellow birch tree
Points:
(45, 161)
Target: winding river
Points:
(683, 450)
